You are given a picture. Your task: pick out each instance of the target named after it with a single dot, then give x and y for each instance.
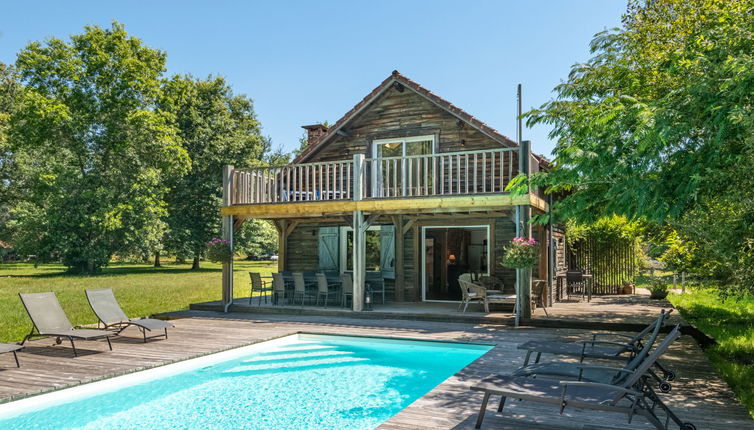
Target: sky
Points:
(304, 62)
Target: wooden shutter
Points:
(329, 245)
(387, 251)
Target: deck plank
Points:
(699, 394)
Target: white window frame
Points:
(403, 140)
(424, 255)
(343, 237)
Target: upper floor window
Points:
(402, 172)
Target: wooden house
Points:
(405, 184)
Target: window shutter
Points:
(329, 245)
(387, 251)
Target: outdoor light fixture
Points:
(368, 300)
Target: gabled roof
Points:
(394, 78)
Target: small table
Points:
(588, 281)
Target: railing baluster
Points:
(492, 171)
(484, 172)
(466, 172)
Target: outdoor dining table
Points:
(588, 281)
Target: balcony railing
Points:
(431, 175)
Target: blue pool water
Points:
(298, 382)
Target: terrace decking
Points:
(621, 312)
(699, 395)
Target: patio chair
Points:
(537, 296)
(346, 288)
(575, 283)
(278, 288)
(11, 347)
(49, 320)
(600, 349)
(110, 314)
(323, 288)
(299, 288)
(630, 396)
(476, 293)
(260, 286)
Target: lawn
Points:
(140, 288)
(731, 323)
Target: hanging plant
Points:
(218, 251)
(522, 253)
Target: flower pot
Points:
(628, 289)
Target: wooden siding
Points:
(403, 114)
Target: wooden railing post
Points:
(358, 177)
(227, 233)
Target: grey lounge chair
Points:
(559, 369)
(110, 314)
(11, 347)
(631, 396)
(49, 320)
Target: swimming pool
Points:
(296, 382)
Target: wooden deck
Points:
(623, 312)
(699, 395)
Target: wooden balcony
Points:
(444, 182)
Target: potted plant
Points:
(522, 253)
(658, 290)
(218, 251)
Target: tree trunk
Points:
(157, 259)
(195, 264)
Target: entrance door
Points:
(448, 253)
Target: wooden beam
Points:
(291, 226)
(282, 226)
(448, 204)
(359, 261)
(238, 224)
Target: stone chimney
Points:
(314, 132)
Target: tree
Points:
(92, 153)
(9, 89)
(658, 123)
(256, 238)
(216, 127)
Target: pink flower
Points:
(518, 240)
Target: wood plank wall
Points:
(403, 114)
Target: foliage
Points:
(216, 127)
(140, 289)
(256, 238)
(730, 321)
(601, 243)
(659, 288)
(679, 254)
(521, 253)
(9, 90)
(646, 123)
(219, 251)
(91, 151)
(658, 125)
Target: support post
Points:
(359, 260)
(523, 228)
(400, 272)
(359, 237)
(282, 227)
(227, 233)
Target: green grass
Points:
(731, 323)
(140, 289)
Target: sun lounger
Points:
(110, 314)
(571, 370)
(600, 349)
(631, 396)
(11, 347)
(49, 320)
